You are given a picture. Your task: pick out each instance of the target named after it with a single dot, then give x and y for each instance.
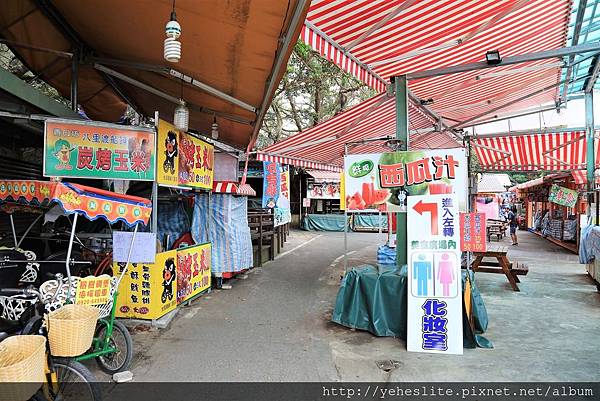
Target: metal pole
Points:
(68, 258)
(590, 148)
(74, 79)
(345, 219)
(155, 207)
(154, 217)
(299, 199)
(14, 233)
(29, 229)
(401, 91)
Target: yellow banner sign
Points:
(93, 290)
(150, 290)
(183, 159)
(193, 271)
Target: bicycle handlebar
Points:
(29, 291)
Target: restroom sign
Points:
(434, 276)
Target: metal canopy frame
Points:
(562, 52)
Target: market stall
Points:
(554, 207)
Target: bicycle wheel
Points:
(119, 360)
(74, 382)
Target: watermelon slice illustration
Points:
(379, 196)
(356, 202)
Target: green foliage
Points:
(312, 90)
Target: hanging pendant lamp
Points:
(215, 129)
(172, 47)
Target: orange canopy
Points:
(231, 46)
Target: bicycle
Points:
(112, 346)
(62, 374)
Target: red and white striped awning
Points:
(532, 152)
(230, 187)
(293, 161)
(324, 176)
(374, 118)
(377, 39)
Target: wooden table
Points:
(502, 266)
(497, 228)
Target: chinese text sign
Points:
(384, 181)
(183, 160)
(150, 290)
(473, 232)
(98, 150)
(93, 290)
(563, 196)
(271, 184)
(434, 275)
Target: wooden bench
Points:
(262, 233)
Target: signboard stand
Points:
(426, 188)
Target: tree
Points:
(312, 90)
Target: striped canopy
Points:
(549, 151)
(234, 188)
(374, 118)
(377, 39)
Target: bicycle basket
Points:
(71, 329)
(22, 361)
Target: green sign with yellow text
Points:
(563, 196)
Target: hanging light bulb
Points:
(172, 49)
(181, 118)
(215, 129)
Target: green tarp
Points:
(374, 300)
(323, 222)
(335, 222)
(369, 222)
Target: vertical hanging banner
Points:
(91, 149)
(282, 211)
(472, 232)
(271, 184)
(183, 160)
(434, 276)
(167, 154)
(383, 181)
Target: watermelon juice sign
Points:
(383, 181)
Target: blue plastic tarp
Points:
(222, 219)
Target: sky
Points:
(572, 117)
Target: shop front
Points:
(554, 207)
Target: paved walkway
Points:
(275, 326)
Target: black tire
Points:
(120, 339)
(69, 374)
